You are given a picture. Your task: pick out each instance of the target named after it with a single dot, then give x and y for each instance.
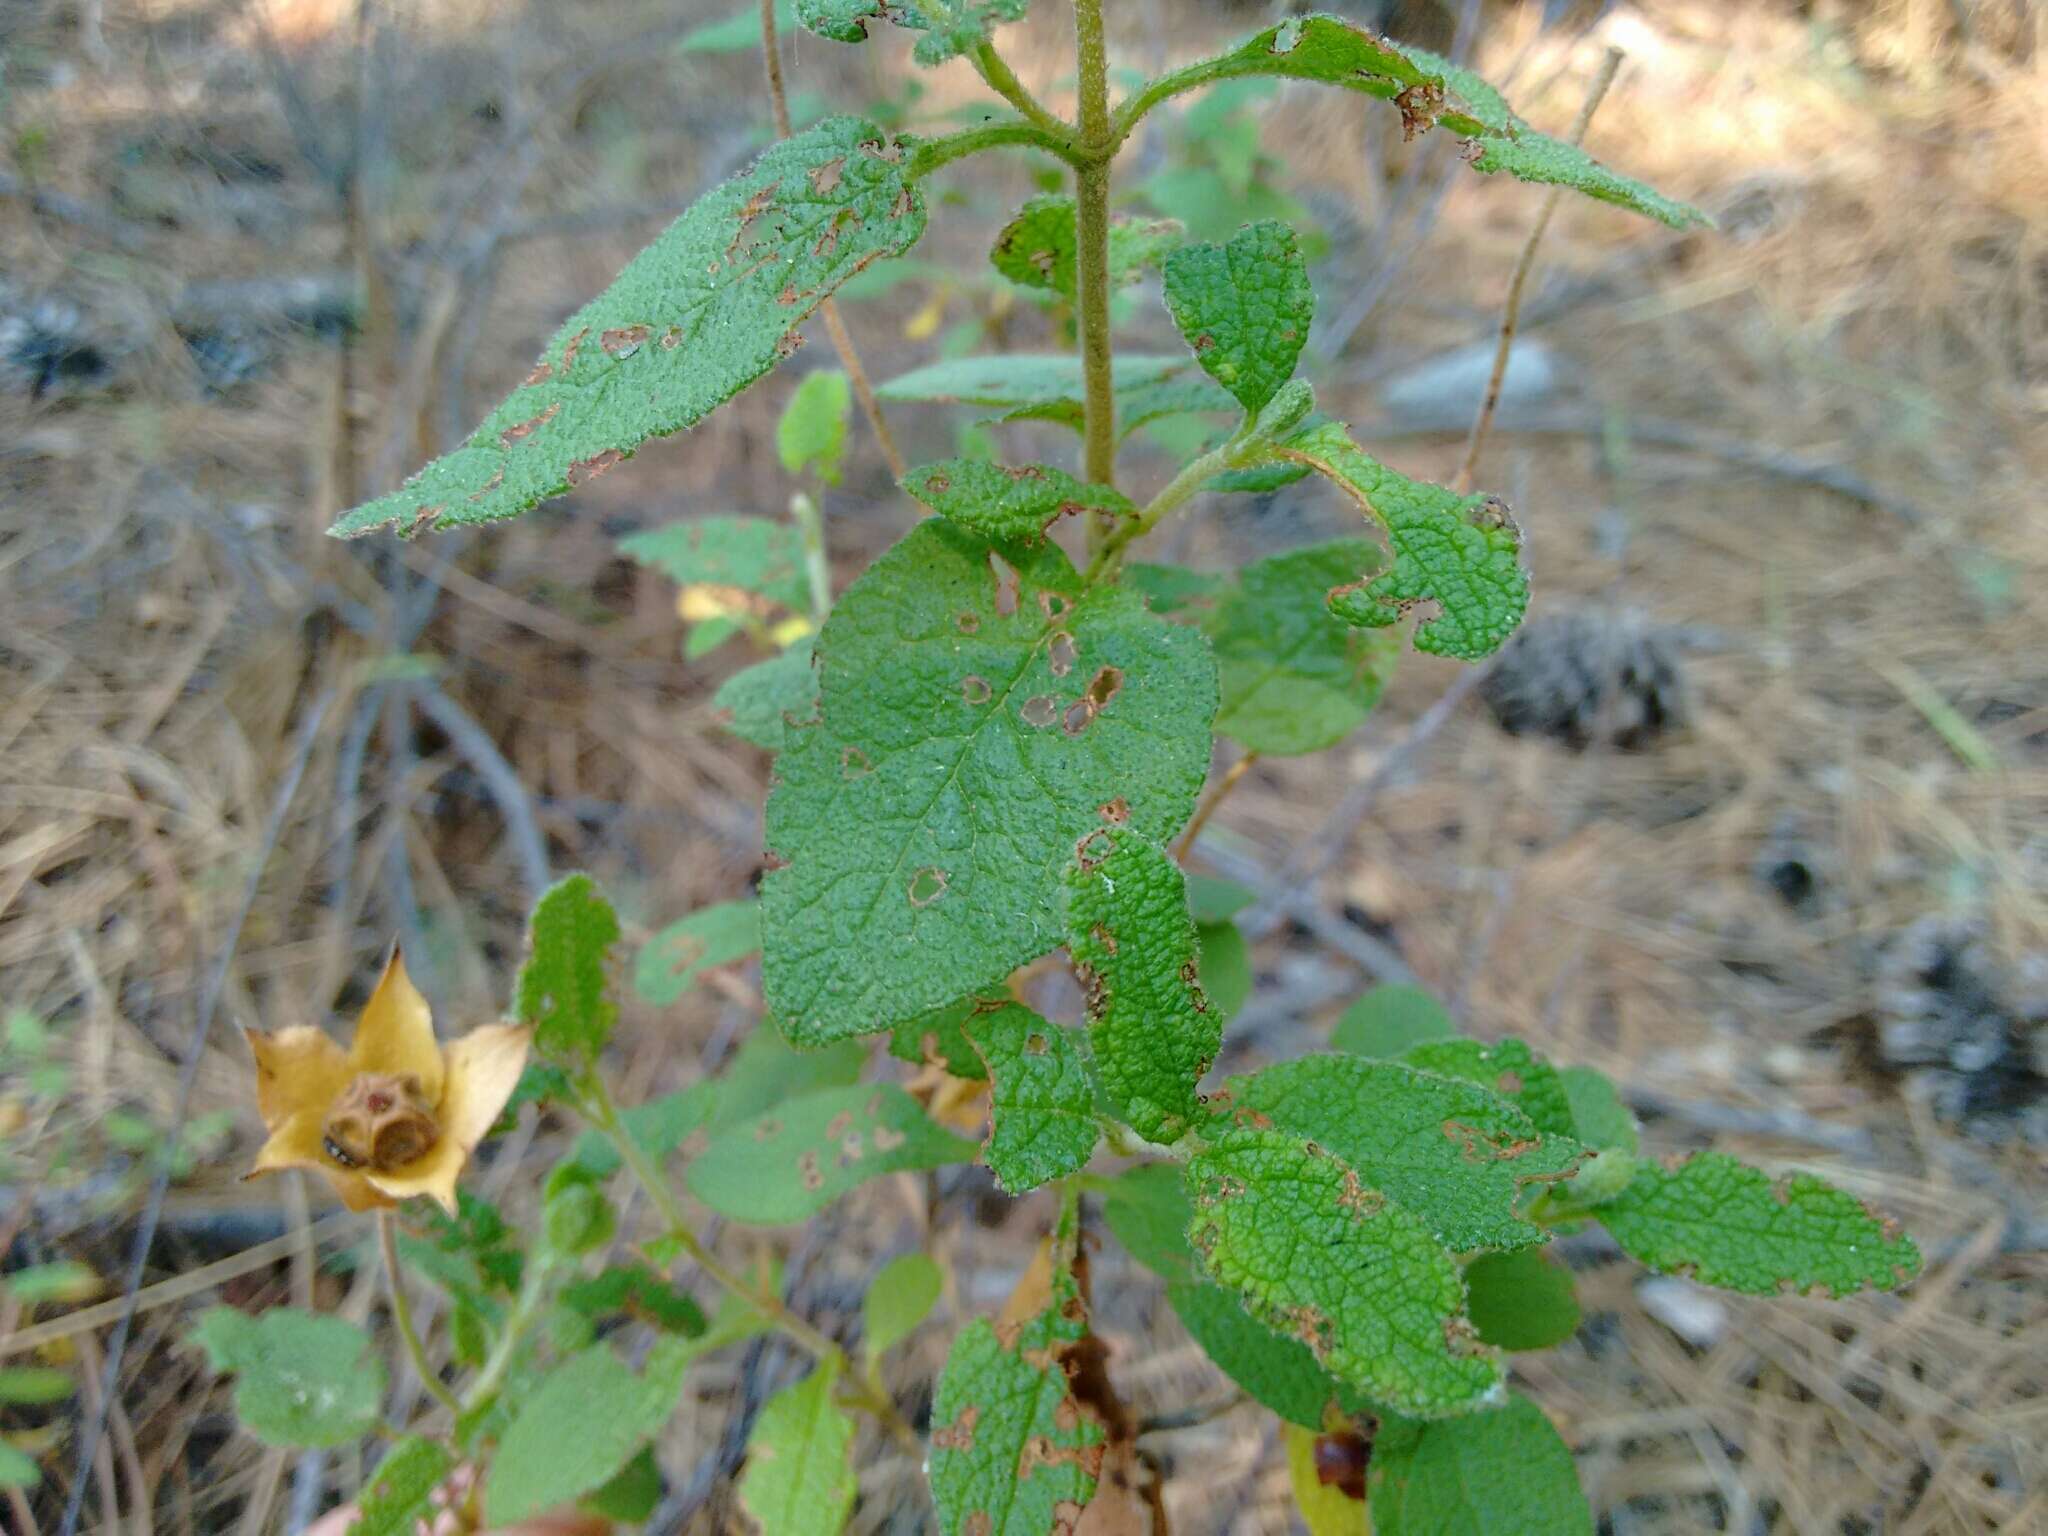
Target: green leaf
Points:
(979, 718)
(1274, 1370)
(951, 27)
(1463, 553)
(1599, 1117)
(1390, 1019)
(843, 21)
(1326, 1509)
(580, 1426)
(703, 312)
(940, 1036)
(1446, 1150)
(1430, 92)
(799, 1475)
(636, 1291)
(1133, 945)
(34, 1384)
(1521, 1300)
(1321, 1258)
(1725, 1223)
(1009, 506)
(631, 1495)
(1033, 387)
(901, 1296)
(1146, 1208)
(789, 1164)
(1215, 900)
(1503, 1470)
(749, 553)
(1010, 1446)
(765, 699)
(811, 434)
(1507, 1067)
(1244, 307)
(1041, 1102)
(400, 1497)
(659, 1127)
(1294, 678)
(671, 961)
(1226, 968)
(766, 1070)
(737, 33)
(64, 1280)
(301, 1378)
(18, 1469)
(564, 988)
(1037, 248)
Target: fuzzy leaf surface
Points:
(1322, 1258)
(670, 962)
(939, 1035)
(1725, 1223)
(1390, 1019)
(1507, 1067)
(1244, 307)
(1151, 1025)
(1599, 1116)
(764, 698)
(1037, 248)
(696, 317)
(1009, 506)
(1011, 1452)
(301, 1378)
(399, 1498)
(977, 721)
(1463, 553)
(1295, 678)
(1041, 1102)
(1448, 1151)
(788, 1164)
(799, 1476)
(1035, 387)
(1501, 1470)
(1147, 1210)
(564, 990)
(749, 554)
(1521, 1300)
(1275, 1370)
(810, 435)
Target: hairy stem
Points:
(604, 1114)
(835, 327)
(1178, 490)
(1511, 311)
(526, 1310)
(1004, 82)
(1224, 786)
(401, 1314)
(1091, 220)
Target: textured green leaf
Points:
(1486, 1473)
(751, 554)
(1009, 506)
(400, 1497)
(1037, 248)
(671, 961)
(1147, 1209)
(811, 433)
(1320, 1257)
(1257, 479)
(1276, 1371)
(1294, 678)
(1521, 1300)
(1507, 1067)
(35, 1384)
(950, 27)
(695, 318)
(635, 1291)
(1012, 1452)
(1134, 948)
(939, 1035)
(843, 21)
(1456, 1156)
(1041, 1102)
(564, 990)
(631, 1494)
(1463, 553)
(1725, 1223)
(979, 718)
(1033, 387)
(788, 1164)
(580, 1426)
(765, 698)
(1245, 308)
(766, 1070)
(901, 1296)
(1430, 92)
(1226, 968)
(301, 1378)
(1391, 1018)
(1599, 1117)
(737, 33)
(799, 1475)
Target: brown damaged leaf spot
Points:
(1039, 711)
(1492, 515)
(1116, 812)
(1053, 605)
(1006, 581)
(1079, 716)
(751, 210)
(1477, 1146)
(624, 340)
(1104, 686)
(938, 485)
(927, 886)
(1361, 1203)
(542, 372)
(497, 479)
(684, 953)
(977, 1524)
(854, 764)
(788, 344)
(575, 345)
(824, 178)
(583, 471)
(1104, 937)
(1509, 1082)
(768, 1130)
(808, 1170)
(1420, 105)
(968, 623)
(1035, 1044)
(959, 1435)
(839, 1125)
(1461, 1337)
(975, 689)
(888, 1139)
(1093, 848)
(527, 428)
(1062, 653)
(901, 207)
(852, 1148)
(423, 518)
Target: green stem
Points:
(1004, 82)
(931, 155)
(810, 522)
(401, 1314)
(604, 1114)
(1091, 229)
(526, 1310)
(1183, 485)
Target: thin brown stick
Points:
(835, 326)
(1511, 311)
(1224, 786)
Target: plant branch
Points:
(1511, 311)
(604, 1113)
(401, 1314)
(835, 326)
(1004, 82)
(1091, 228)
(1191, 478)
(1224, 786)
(935, 154)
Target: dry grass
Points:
(168, 609)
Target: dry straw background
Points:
(1868, 678)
